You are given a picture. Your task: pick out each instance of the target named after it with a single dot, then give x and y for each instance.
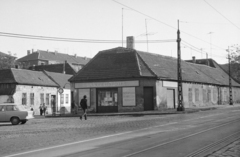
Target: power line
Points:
(199, 50)
(162, 22)
(24, 36)
(221, 14)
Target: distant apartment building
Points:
(39, 57)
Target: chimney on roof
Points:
(28, 52)
(32, 50)
(193, 59)
(130, 42)
(64, 66)
(75, 55)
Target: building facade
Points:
(124, 79)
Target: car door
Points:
(9, 112)
(2, 113)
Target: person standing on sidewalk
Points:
(83, 104)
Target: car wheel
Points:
(23, 121)
(15, 120)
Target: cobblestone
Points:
(39, 133)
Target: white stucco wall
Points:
(66, 106)
(37, 90)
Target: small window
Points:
(24, 98)
(67, 97)
(61, 99)
(9, 108)
(31, 98)
(1, 108)
(47, 99)
(41, 98)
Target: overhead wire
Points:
(163, 23)
(75, 39)
(199, 49)
(221, 14)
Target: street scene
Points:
(210, 133)
(119, 78)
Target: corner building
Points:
(125, 79)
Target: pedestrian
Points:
(73, 106)
(83, 104)
(41, 109)
(44, 109)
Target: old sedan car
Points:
(14, 113)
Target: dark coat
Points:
(83, 103)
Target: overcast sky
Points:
(210, 25)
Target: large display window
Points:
(107, 100)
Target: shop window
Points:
(24, 98)
(31, 98)
(41, 98)
(67, 98)
(47, 99)
(62, 99)
(107, 97)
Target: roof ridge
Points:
(151, 71)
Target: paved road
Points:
(73, 137)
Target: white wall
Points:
(66, 106)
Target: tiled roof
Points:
(114, 63)
(126, 63)
(54, 56)
(25, 77)
(58, 68)
(60, 79)
(4, 54)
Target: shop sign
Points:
(169, 84)
(107, 84)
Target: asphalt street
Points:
(150, 135)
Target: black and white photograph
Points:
(119, 78)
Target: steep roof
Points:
(54, 56)
(119, 63)
(115, 63)
(4, 54)
(60, 79)
(58, 68)
(25, 77)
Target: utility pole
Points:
(230, 82)
(180, 96)
(122, 27)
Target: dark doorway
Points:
(148, 98)
(107, 100)
(53, 104)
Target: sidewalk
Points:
(141, 113)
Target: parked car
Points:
(14, 113)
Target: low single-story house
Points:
(32, 88)
(64, 94)
(125, 79)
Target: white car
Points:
(14, 113)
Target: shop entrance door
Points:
(148, 98)
(107, 100)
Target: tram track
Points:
(215, 146)
(199, 153)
